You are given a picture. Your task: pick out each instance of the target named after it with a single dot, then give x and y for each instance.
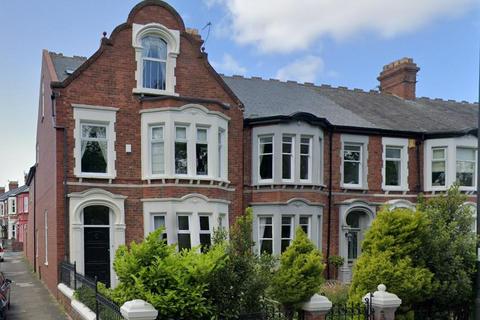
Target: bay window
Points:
(466, 161)
(439, 165)
(304, 223)
(266, 158)
(352, 164)
(157, 150)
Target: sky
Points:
(336, 42)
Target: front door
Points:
(96, 239)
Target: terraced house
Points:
(145, 134)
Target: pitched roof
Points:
(339, 106)
(13, 193)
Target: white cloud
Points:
(290, 25)
(229, 65)
(302, 70)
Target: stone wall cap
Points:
(317, 303)
(138, 309)
(383, 299)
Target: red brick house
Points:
(145, 133)
(14, 213)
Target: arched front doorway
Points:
(96, 242)
(357, 223)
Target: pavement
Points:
(29, 297)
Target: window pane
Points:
(393, 153)
(352, 246)
(205, 242)
(353, 219)
(351, 172)
(184, 241)
(94, 156)
(350, 147)
(286, 167)
(157, 133)
(95, 132)
(285, 245)
(304, 148)
(266, 246)
(181, 157)
(154, 74)
(465, 154)
(304, 167)
(266, 139)
(158, 222)
(438, 173)
(202, 159)
(204, 223)
(266, 167)
(351, 155)
(266, 148)
(465, 173)
(183, 223)
(201, 134)
(154, 47)
(439, 153)
(392, 173)
(180, 133)
(158, 158)
(96, 215)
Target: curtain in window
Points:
(154, 47)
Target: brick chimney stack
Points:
(12, 185)
(2, 190)
(399, 78)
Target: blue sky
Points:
(342, 43)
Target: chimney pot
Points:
(399, 78)
(2, 190)
(12, 185)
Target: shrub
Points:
(300, 273)
(391, 254)
(336, 292)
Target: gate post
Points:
(384, 303)
(138, 310)
(316, 308)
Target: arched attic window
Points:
(154, 56)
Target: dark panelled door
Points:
(97, 253)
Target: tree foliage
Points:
(300, 274)
(391, 254)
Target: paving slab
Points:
(29, 297)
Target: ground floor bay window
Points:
(274, 225)
(188, 222)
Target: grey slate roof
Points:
(12, 193)
(340, 106)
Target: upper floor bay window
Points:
(156, 51)
(265, 160)
(185, 142)
(466, 162)
(154, 56)
(439, 166)
(449, 161)
(287, 154)
(352, 164)
(94, 134)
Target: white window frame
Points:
(151, 142)
(25, 204)
(152, 222)
(197, 142)
(188, 145)
(189, 231)
(292, 230)
(444, 160)
(210, 229)
(221, 154)
(360, 165)
(12, 205)
(1, 209)
(172, 38)
(361, 141)
(402, 144)
(95, 115)
(260, 237)
(260, 180)
(191, 116)
(310, 143)
(309, 225)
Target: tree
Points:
(391, 254)
(451, 248)
(300, 274)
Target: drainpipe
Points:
(34, 221)
(418, 143)
(65, 186)
(330, 166)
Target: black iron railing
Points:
(86, 290)
(352, 311)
